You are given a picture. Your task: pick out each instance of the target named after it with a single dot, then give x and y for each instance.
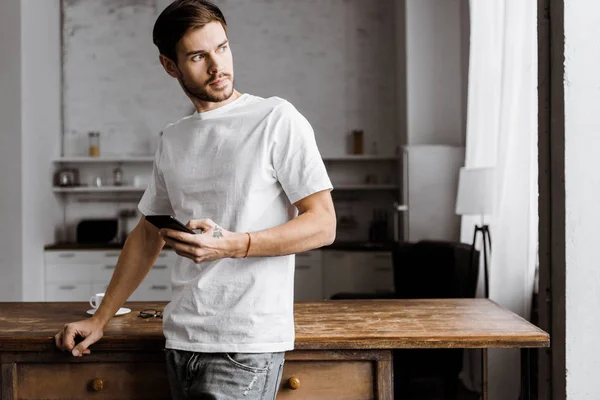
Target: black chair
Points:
(427, 270)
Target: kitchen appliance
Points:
(97, 231)
(66, 177)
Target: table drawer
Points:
(131, 380)
(331, 380)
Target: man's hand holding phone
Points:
(212, 244)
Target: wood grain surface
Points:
(332, 324)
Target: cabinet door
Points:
(338, 272)
(356, 272)
(64, 257)
(68, 291)
(383, 271)
(148, 291)
(308, 277)
(68, 273)
(308, 282)
(98, 287)
(160, 273)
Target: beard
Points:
(205, 92)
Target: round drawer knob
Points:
(97, 385)
(294, 383)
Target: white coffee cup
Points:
(96, 299)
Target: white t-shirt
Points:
(243, 165)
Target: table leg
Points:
(526, 373)
(484, 374)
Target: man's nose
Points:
(215, 68)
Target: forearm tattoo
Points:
(217, 232)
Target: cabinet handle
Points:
(302, 266)
(67, 287)
(67, 255)
(158, 287)
(110, 266)
(97, 384)
(112, 255)
(160, 266)
(294, 383)
(162, 255)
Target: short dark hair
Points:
(180, 17)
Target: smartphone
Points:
(168, 222)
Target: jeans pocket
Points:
(252, 362)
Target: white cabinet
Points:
(357, 272)
(319, 274)
(308, 279)
(152, 291)
(68, 291)
(76, 275)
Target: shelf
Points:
(115, 159)
(102, 189)
(361, 157)
(359, 186)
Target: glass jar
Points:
(94, 145)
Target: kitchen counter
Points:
(343, 349)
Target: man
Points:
(247, 175)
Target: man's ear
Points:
(169, 65)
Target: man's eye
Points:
(223, 48)
(197, 57)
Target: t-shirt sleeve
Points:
(155, 200)
(296, 159)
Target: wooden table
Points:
(343, 348)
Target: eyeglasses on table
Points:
(151, 313)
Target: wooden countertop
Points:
(332, 324)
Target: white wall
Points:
(29, 138)
(400, 12)
(582, 186)
(10, 150)
(331, 59)
(436, 71)
(40, 136)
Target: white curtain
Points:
(502, 133)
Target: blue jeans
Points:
(220, 376)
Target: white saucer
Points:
(122, 311)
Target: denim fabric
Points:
(220, 376)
